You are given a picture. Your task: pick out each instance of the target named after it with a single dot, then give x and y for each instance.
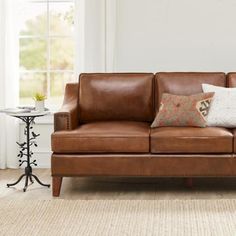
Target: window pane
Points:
(62, 54)
(33, 18)
(33, 54)
(58, 82)
(31, 83)
(61, 18)
(46, 49)
(57, 87)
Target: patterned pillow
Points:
(183, 110)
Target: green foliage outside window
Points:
(34, 51)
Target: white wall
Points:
(171, 35)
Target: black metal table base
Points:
(26, 152)
(28, 177)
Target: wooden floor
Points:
(118, 188)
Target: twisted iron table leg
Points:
(9, 185)
(31, 180)
(37, 179)
(26, 183)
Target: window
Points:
(46, 49)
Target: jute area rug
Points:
(118, 217)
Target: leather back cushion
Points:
(231, 79)
(185, 83)
(116, 96)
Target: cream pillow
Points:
(223, 107)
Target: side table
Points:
(25, 147)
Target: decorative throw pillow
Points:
(183, 110)
(223, 108)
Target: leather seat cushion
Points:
(191, 140)
(104, 137)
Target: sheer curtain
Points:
(9, 129)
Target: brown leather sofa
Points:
(103, 129)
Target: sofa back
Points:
(116, 96)
(185, 83)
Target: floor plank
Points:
(118, 188)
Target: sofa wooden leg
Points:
(56, 186)
(188, 182)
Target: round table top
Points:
(29, 114)
(16, 112)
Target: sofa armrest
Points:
(67, 117)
